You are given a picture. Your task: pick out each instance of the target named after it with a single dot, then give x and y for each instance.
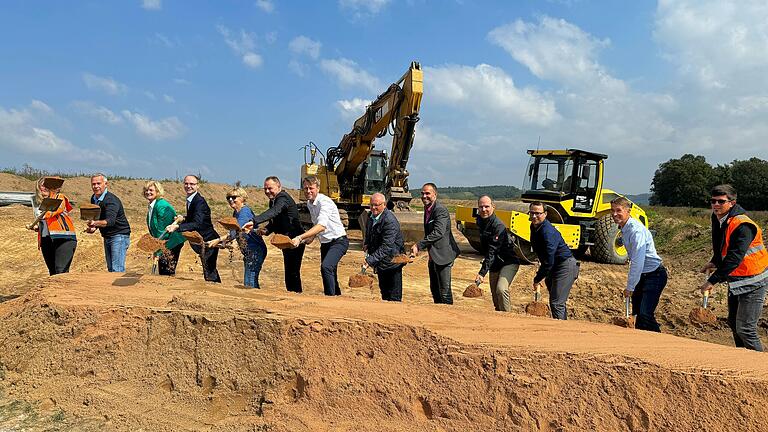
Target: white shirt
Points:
(151, 209)
(189, 199)
(324, 212)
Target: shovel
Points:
(362, 279)
(627, 320)
(48, 205)
(53, 183)
(701, 315)
(536, 307)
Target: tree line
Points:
(686, 182)
(497, 192)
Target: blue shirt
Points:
(244, 216)
(641, 250)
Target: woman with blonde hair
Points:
(159, 215)
(251, 244)
(56, 236)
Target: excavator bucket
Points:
(411, 225)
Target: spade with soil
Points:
(47, 205)
(701, 315)
(627, 320)
(537, 307)
(90, 212)
(361, 280)
(281, 241)
(473, 290)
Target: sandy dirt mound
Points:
(537, 308)
(129, 352)
(472, 291)
(702, 317)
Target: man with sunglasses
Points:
(558, 269)
(199, 219)
(740, 259)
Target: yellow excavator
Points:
(352, 171)
(570, 183)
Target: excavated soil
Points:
(401, 259)
(141, 352)
(702, 317)
(193, 237)
(626, 322)
(281, 241)
(149, 244)
(229, 223)
(361, 280)
(537, 308)
(472, 291)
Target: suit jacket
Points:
(383, 241)
(162, 216)
(283, 216)
(438, 238)
(199, 219)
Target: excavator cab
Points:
(375, 173)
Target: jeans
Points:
(559, 282)
(743, 312)
(645, 298)
(500, 282)
(115, 249)
(391, 284)
(253, 258)
(330, 255)
(440, 282)
(57, 253)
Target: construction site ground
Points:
(92, 350)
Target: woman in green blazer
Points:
(159, 215)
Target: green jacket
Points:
(161, 217)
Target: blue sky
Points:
(233, 89)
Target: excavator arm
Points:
(398, 105)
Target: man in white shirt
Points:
(329, 229)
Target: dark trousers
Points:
(440, 282)
(292, 266)
(208, 260)
(57, 253)
(330, 255)
(645, 298)
(166, 264)
(743, 313)
(391, 284)
(559, 282)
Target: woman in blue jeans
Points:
(251, 245)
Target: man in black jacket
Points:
(383, 240)
(283, 217)
(741, 260)
(112, 224)
(499, 254)
(199, 219)
(438, 240)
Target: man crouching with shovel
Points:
(647, 276)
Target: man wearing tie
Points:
(439, 242)
(199, 219)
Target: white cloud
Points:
(303, 45)
(181, 81)
(265, 5)
(364, 8)
(41, 106)
(352, 108)
(243, 45)
(101, 113)
(150, 95)
(554, 49)
(298, 67)
(348, 74)
(158, 130)
(152, 4)
(107, 85)
(487, 90)
(22, 133)
(161, 39)
(169, 98)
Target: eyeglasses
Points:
(535, 213)
(719, 201)
(231, 198)
(189, 184)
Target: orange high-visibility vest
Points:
(60, 224)
(756, 259)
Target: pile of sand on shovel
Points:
(361, 281)
(149, 244)
(401, 259)
(473, 291)
(702, 317)
(229, 223)
(628, 322)
(193, 237)
(281, 241)
(537, 308)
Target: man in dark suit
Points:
(283, 217)
(438, 240)
(199, 219)
(383, 240)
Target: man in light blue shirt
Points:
(647, 276)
